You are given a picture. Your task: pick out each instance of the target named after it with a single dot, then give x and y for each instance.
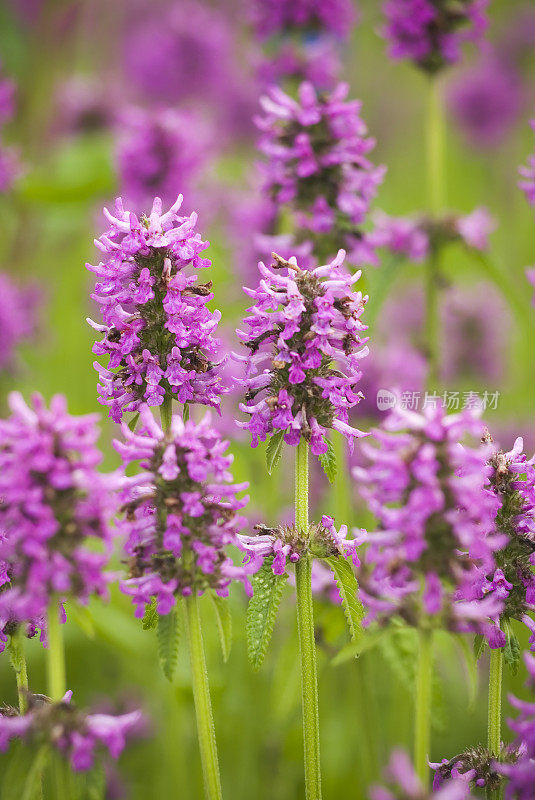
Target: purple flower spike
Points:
(54, 503)
(75, 733)
(284, 16)
(436, 510)
(180, 512)
(404, 784)
(158, 331)
(431, 32)
(304, 337)
(317, 165)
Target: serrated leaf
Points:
(150, 617)
(274, 451)
(262, 610)
(470, 662)
(511, 651)
(328, 461)
(224, 623)
(168, 634)
(354, 649)
(348, 589)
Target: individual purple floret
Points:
(180, 512)
(53, 505)
(436, 510)
(316, 149)
(287, 544)
(158, 330)
(431, 32)
(404, 784)
(304, 337)
(79, 736)
(527, 184)
(18, 317)
(312, 16)
(521, 775)
(159, 151)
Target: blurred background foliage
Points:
(48, 222)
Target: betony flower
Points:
(158, 330)
(284, 16)
(404, 784)
(78, 735)
(180, 512)
(431, 32)
(521, 775)
(18, 318)
(317, 165)
(436, 510)
(304, 337)
(54, 508)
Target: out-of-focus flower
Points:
(304, 337)
(159, 152)
(308, 59)
(10, 167)
(283, 16)
(316, 149)
(158, 331)
(436, 510)
(402, 236)
(180, 512)
(431, 32)
(18, 317)
(77, 734)
(487, 100)
(84, 106)
(521, 775)
(54, 506)
(476, 767)
(404, 784)
(527, 184)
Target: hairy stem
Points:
(422, 714)
(435, 181)
(201, 695)
(495, 709)
(18, 662)
(305, 627)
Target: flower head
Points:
(436, 510)
(431, 32)
(404, 784)
(521, 774)
(180, 512)
(78, 735)
(304, 337)
(53, 505)
(158, 331)
(317, 165)
(312, 16)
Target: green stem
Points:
(422, 729)
(18, 662)
(436, 200)
(201, 695)
(305, 627)
(55, 654)
(495, 709)
(166, 413)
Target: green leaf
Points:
(328, 461)
(470, 662)
(352, 650)
(22, 778)
(479, 645)
(133, 422)
(83, 618)
(168, 634)
(348, 589)
(400, 651)
(224, 623)
(150, 617)
(274, 450)
(511, 651)
(262, 610)
(185, 412)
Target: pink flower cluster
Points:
(53, 504)
(305, 344)
(180, 512)
(317, 165)
(282, 16)
(76, 734)
(521, 775)
(431, 32)
(436, 510)
(18, 311)
(158, 331)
